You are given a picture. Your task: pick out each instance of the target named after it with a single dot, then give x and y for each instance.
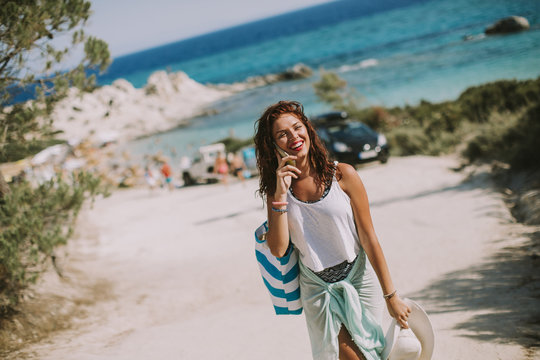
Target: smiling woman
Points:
(321, 208)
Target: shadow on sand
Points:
(503, 291)
(472, 181)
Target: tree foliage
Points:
(36, 219)
(30, 60)
(33, 222)
(330, 89)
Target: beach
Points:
(172, 274)
(169, 272)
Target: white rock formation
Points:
(123, 111)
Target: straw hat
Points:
(404, 344)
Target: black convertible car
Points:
(350, 141)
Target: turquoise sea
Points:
(392, 53)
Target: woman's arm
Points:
(277, 236)
(351, 183)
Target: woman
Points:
(323, 208)
(221, 167)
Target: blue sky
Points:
(132, 25)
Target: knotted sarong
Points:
(355, 302)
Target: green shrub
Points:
(405, 141)
(523, 141)
(486, 143)
(233, 144)
(478, 102)
(330, 89)
(514, 140)
(376, 117)
(33, 222)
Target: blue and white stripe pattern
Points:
(280, 275)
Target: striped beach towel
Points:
(280, 275)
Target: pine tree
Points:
(34, 220)
(29, 32)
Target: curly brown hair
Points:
(267, 162)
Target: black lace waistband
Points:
(336, 273)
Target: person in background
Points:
(166, 171)
(149, 177)
(238, 166)
(221, 167)
(322, 208)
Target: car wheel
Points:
(188, 180)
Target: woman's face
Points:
(291, 135)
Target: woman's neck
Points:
(304, 166)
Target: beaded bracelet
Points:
(389, 296)
(279, 203)
(279, 210)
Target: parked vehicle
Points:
(350, 141)
(201, 170)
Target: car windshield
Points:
(352, 128)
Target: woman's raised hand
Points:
(284, 174)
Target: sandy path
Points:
(182, 282)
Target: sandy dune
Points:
(176, 278)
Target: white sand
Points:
(184, 283)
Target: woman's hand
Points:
(398, 310)
(284, 175)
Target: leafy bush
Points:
(486, 138)
(478, 102)
(233, 144)
(376, 117)
(513, 142)
(33, 221)
(523, 141)
(405, 141)
(330, 89)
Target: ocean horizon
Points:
(392, 53)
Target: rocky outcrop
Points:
(508, 25)
(298, 71)
(120, 111)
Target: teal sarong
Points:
(355, 302)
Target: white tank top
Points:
(324, 231)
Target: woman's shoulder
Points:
(348, 177)
(346, 171)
